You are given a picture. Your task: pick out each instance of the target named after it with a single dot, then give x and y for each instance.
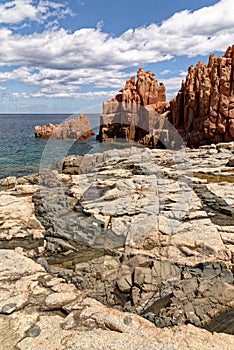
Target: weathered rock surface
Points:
(231, 162)
(159, 205)
(164, 292)
(132, 114)
(145, 91)
(38, 311)
(141, 198)
(77, 129)
(18, 225)
(203, 110)
(144, 231)
(201, 113)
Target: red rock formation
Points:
(133, 113)
(145, 91)
(203, 110)
(78, 129)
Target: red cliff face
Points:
(77, 129)
(145, 91)
(131, 115)
(203, 110)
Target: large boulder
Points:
(77, 129)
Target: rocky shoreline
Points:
(130, 241)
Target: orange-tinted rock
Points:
(203, 110)
(145, 91)
(132, 114)
(78, 129)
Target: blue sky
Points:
(70, 56)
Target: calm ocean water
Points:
(21, 153)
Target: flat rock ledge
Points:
(133, 241)
(38, 311)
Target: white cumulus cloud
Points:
(16, 11)
(165, 72)
(79, 95)
(60, 62)
(186, 33)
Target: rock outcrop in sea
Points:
(77, 129)
(202, 112)
(104, 243)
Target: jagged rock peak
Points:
(145, 90)
(203, 110)
(132, 114)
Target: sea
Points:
(22, 154)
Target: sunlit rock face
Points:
(77, 129)
(201, 113)
(133, 114)
(203, 110)
(147, 232)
